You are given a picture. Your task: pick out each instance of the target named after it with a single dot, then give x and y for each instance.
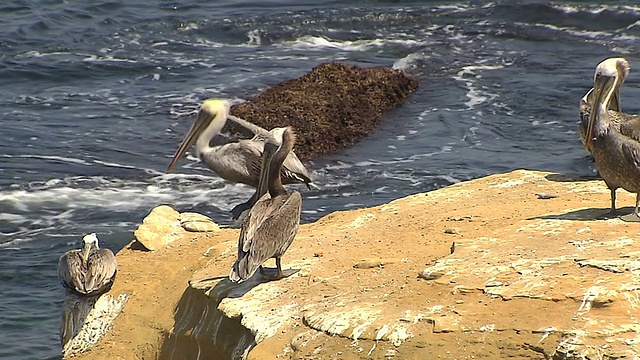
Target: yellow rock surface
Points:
(520, 276)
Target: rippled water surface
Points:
(96, 96)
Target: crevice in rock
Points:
(202, 331)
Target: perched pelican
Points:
(613, 138)
(586, 103)
(89, 271)
(235, 161)
(272, 223)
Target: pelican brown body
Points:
(89, 271)
(613, 138)
(273, 221)
(237, 161)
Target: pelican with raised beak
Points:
(237, 161)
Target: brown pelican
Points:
(613, 138)
(272, 223)
(586, 103)
(235, 161)
(89, 271)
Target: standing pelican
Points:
(89, 271)
(235, 161)
(273, 222)
(614, 137)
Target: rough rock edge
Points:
(572, 344)
(89, 320)
(250, 302)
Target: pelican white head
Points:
(278, 134)
(210, 120)
(609, 76)
(89, 240)
(613, 67)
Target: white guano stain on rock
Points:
(360, 221)
(91, 320)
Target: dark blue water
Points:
(96, 96)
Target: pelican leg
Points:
(613, 201)
(282, 274)
(613, 212)
(239, 209)
(279, 266)
(262, 272)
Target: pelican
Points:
(613, 138)
(234, 161)
(586, 103)
(273, 222)
(88, 271)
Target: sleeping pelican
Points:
(88, 271)
(235, 161)
(273, 222)
(613, 138)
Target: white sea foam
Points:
(254, 37)
(408, 61)
(320, 42)
(116, 165)
(55, 158)
(595, 9)
(108, 58)
(452, 8)
(37, 54)
(468, 75)
(572, 31)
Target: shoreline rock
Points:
(529, 278)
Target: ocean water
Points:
(95, 97)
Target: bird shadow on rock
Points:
(557, 177)
(225, 288)
(588, 214)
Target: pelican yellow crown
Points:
(213, 106)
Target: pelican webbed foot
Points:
(277, 273)
(613, 213)
(635, 216)
(285, 273)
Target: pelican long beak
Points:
(601, 87)
(203, 120)
(86, 251)
(268, 152)
(270, 149)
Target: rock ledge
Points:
(522, 277)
